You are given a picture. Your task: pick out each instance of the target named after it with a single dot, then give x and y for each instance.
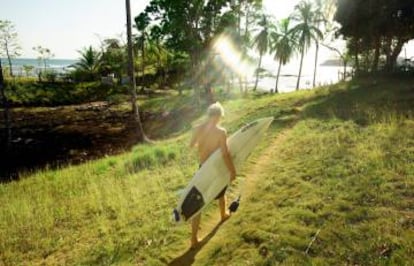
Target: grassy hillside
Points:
(337, 189)
(331, 184)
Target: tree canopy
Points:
(375, 29)
(9, 45)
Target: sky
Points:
(67, 26)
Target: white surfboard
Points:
(214, 175)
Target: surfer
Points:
(209, 137)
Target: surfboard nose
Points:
(265, 122)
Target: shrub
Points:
(148, 157)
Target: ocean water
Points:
(325, 75)
(287, 81)
(58, 65)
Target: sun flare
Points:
(231, 56)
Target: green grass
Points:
(346, 168)
(344, 165)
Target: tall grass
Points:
(344, 167)
(337, 191)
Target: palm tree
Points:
(131, 73)
(283, 45)
(89, 62)
(261, 41)
(306, 30)
(141, 24)
(319, 18)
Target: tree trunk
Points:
(394, 54)
(257, 72)
(246, 26)
(143, 62)
(300, 67)
(316, 64)
(239, 20)
(240, 83)
(5, 109)
(376, 54)
(356, 56)
(277, 77)
(388, 50)
(345, 63)
(131, 72)
(367, 62)
(9, 59)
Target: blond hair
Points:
(215, 109)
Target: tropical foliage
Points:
(174, 41)
(376, 30)
(284, 45)
(261, 42)
(306, 30)
(44, 54)
(89, 63)
(9, 45)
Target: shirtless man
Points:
(209, 137)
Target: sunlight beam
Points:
(232, 57)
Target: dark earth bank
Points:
(56, 136)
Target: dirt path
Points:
(211, 224)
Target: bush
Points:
(50, 75)
(32, 93)
(148, 157)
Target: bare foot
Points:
(225, 216)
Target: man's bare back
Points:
(208, 137)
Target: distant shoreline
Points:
(53, 62)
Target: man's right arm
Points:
(194, 138)
(226, 156)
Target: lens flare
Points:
(232, 57)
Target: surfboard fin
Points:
(234, 205)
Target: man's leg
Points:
(195, 224)
(222, 205)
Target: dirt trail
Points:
(210, 225)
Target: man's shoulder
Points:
(222, 130)
(199, 127)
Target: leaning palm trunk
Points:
(143, 62)
(277, 77)
(316, 64)
(300, 67)
(257, 72)
(131, 73)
